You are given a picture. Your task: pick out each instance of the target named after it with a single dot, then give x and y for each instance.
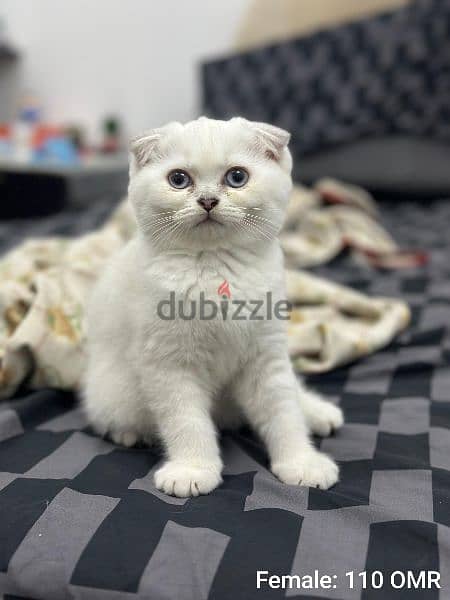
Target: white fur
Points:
(178, 380)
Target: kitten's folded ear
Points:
(143, 146)
(273, 140)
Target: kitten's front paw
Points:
(322, 417)
(313, 469)
(184, 480)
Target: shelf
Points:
(94, 164)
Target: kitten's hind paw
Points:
(184, 480)
(124, 438)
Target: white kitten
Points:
(209, 199)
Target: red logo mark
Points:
(224, 289)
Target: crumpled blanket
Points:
(45, 284)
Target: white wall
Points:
(136, 58)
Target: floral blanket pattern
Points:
(45, 285)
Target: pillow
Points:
(393, 165)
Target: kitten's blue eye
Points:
(179, 179)
(236, 177)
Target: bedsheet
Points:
(80, 517)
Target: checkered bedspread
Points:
(80, 518)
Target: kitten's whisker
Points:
(165, 212)
(177, 232)
(149, 224)
(162, 236)
(255, 228)
(161, 220)
(161, 226)
(261, 219)
(162, 229)
(273, 209)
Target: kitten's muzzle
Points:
(208, 203)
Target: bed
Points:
(80, 517)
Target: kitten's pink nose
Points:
(208, 203)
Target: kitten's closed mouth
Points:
(208, 221)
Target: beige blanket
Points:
(45, 283)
